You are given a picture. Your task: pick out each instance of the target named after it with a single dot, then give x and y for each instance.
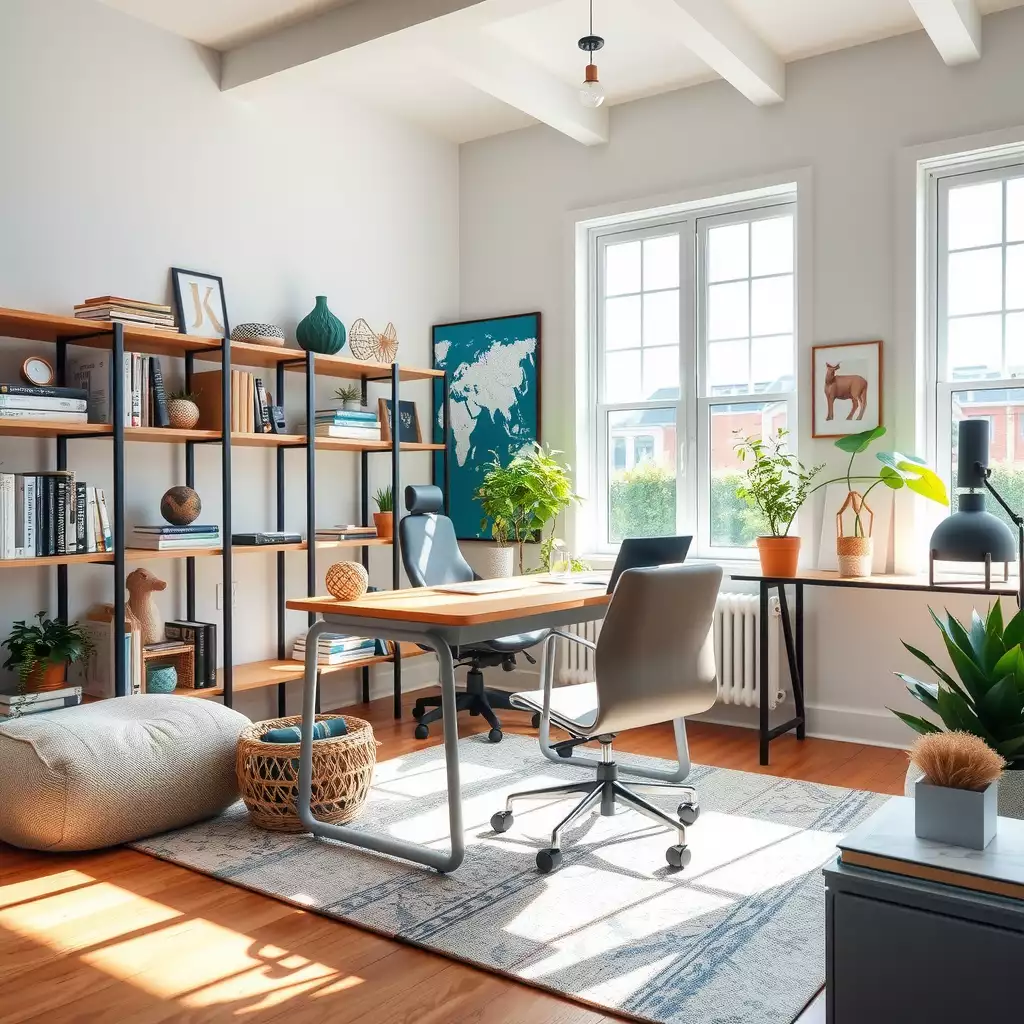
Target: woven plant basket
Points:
(268, 774)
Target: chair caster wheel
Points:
(494, 735)
(548, 860)
(418, 712)
(535, 721)
(688, 813)
(678, 856)
(422, 732)
(502, 821)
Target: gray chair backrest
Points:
(655, 658)
(430, 552)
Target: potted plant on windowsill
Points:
(775, 486)
(40, 653)
(384, 518)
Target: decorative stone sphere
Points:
(258, 334)
(180, 506)
(347, 581)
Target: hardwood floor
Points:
(119, 936)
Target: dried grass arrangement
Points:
(956, 760)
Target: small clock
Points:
(37, 371)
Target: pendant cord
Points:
(591, 17)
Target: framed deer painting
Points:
(846, 397)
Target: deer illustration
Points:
(141, 584)
(849, 386)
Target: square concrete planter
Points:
(960, 817)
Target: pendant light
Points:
(591, 91)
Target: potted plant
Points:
(520, 499)
(384, 518)
(983, 695)
(41, 652)
(182, 410)
(775, 485)
(351, 398)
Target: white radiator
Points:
(736, 639)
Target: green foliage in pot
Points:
(986, 697)
(385, 499)
(776, 483)
(48, 642)
(348, 394)
(183, 396)
(520, 499)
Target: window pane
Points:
(975, 347)
(728, 252)
(1015, 344)
(661, 373)
(622, 268)
(771, 363)
(1015, 277)
(642, 492)
(622, 381)
(661, 262)
(732, 523)
(728, 368)
(976, 215)
(975, 281)
(661, 318)
(1015, 210)
(771, 305)
(771, 243)
(622, 323)
(728, 314)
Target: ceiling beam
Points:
(954, 27)
(491, 68)
(728, 45)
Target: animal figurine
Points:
(850, 387)
(141, 584)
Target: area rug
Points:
(735, 938)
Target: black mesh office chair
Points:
(432, 557)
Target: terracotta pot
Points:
(45, 677)
(854, 555)
(385, 523)
(779, 555)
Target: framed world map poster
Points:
(494, 389)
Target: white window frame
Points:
(692, 407)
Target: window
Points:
(694, 346)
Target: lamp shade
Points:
(971, 534)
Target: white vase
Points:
(494, 562)
(1011, 790)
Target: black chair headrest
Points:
(422, 499)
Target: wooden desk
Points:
(440, 621)
(793, 632)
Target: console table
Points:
(793, 632)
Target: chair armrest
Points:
(583, 641)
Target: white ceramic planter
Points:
(493, 562)
(1011, 791)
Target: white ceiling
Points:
(643, 55)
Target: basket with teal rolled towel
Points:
(267, 766)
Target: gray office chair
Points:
(655, 661)
(432, 557)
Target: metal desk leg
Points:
(762, 670)
(438, 859)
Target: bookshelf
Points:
(285, 363)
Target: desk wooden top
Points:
(825, 578)
(436, 607)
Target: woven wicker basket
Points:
(268, 774)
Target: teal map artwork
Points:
(494, 371)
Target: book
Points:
(352, 433)
(341, 658)
(203, 638)
(170, 531)
(136, 395)
(341, 643)
(265, 537)
(7, 515)
(93, 371)
(159, 397)
(43, 392)
(248, 405)
(80, 521)
(125, 315)
(211, 654)
(43, 403)
(152, 542)
(50, 415)
(348, 414)
(108, 538)
(61, 518)
(24, 699)
(91, 518)
(263, 405)
(21, 710)
(49, 527)
(237, 391)
(95, 674)
(117, 300)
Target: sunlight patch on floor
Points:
(614, 990)
(35, 888)
(390, 781)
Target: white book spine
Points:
(54, 415)
(44, 402)
(20, 548)
(9, 520)
(108, 539)
(90, 520)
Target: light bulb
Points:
(591, 91)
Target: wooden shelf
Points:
(148, 554)
(48, 428)
(105, 557)
(344, 444)
(168, 435)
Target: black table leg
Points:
(762, 668)
(801, 729)
(794, 661)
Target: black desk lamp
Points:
(971, 534)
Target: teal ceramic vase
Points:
(320, 330)
(161, 679)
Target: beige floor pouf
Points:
(115, 771)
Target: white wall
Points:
(848, 116)
(119, 158)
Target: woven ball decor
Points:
(180, 506)
(268, 774)
(347, 580)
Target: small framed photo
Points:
(846, 396)
(408, 421)
(199, 303)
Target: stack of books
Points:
(142, 386)
(333, 649)
(17, 705)
(176, 538)
(51, 513)
(130, 312)
(56, 405)
(203, 638)
(346, 533)
(250, 402)
(361, 425)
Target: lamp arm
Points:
(1015, 517)
(1017, 521)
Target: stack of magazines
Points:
(176, 538)
(17, 705)
(333, 649)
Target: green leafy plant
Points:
(50, 642)
(385, 499)
(987, 696)
(777, 483)
(348, 393)
(521, 498)
(183, 396)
